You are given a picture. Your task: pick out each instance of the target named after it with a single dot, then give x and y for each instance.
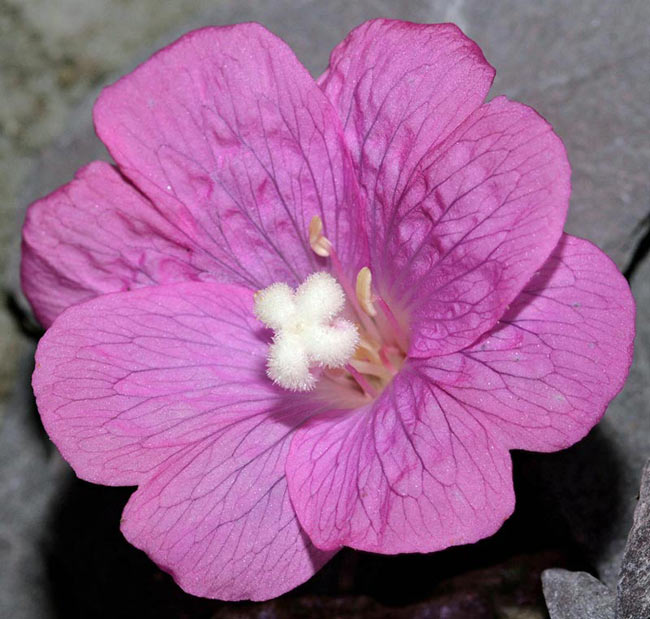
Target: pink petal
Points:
(409, 473)
(482, 216)
(464, 202)
(229, 136)
(126, 380)
(95, 235)
(427, 465)
(165, 387)
(543, 377)
(219, 519)
(400, 89)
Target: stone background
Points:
(583, 64)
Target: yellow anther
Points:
(319, 243)
(364, 291)
(367, 350)
(371, 369)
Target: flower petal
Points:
(400, 89)
(543, 377)
(407, 474)
(427, 466)
(464, 202)
(219, 519)
(483, 214)
(126, 380)
(165, 387)
(230, 137)
(96, 235)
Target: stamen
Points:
(367, 350)
(386, 362)
(361, 381)
(323, 247)
(364, 291)
(319, 243)
(394, 323)
(371, 369)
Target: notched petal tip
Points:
(160, 387)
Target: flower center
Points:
(330, 334)
(307, 329)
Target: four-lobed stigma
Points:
(307, 328)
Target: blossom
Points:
(305, 315)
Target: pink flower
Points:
(459, 322)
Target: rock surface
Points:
(576, 595)
(582, 65)
(634, 583)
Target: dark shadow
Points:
(642, 249)
(565, 505)
(580, 486)
(26, 408)
(22, 318)
(94, 572)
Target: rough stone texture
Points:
(583, 65)
(577, 595)
(634, 583)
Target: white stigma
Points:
(307, 330)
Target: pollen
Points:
(308, 331)
(364, 291)
(320, 244)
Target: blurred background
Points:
(583, 64)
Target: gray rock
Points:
(576, 595)
(633, 599)
(578, 64)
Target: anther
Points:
(364, 291)
(319, 243)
